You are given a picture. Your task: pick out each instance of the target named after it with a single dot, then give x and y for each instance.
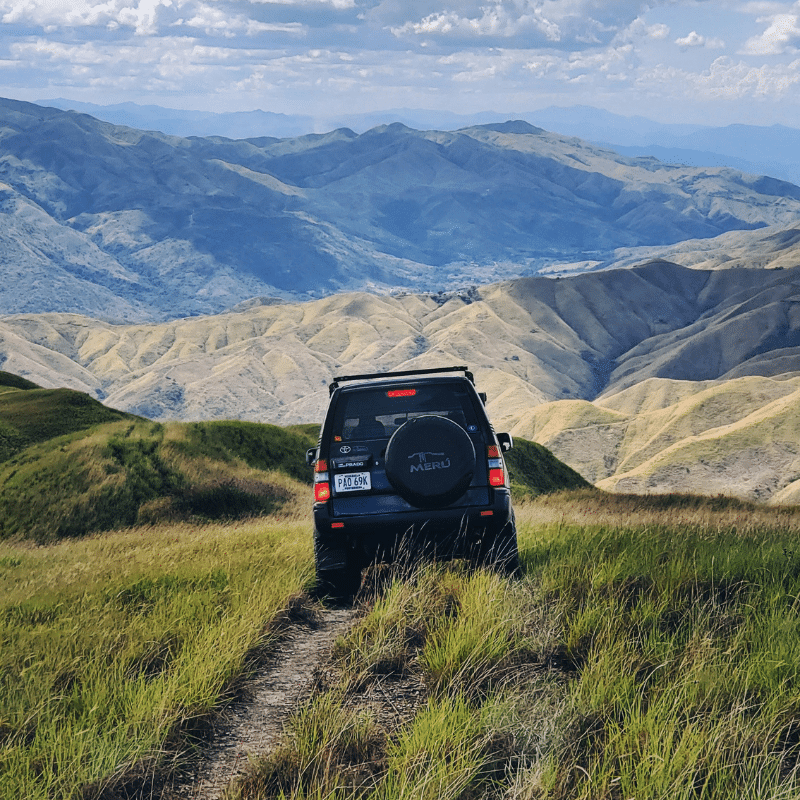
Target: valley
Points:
(127, 225)
(652, 378)
(605, 303)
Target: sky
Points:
(698, 61)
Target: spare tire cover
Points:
(430, 461)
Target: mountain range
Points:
(123, 224)
(639, 319)
(626, 375)
(758, 149)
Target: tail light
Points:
(497, 474)
(322, 486)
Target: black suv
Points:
(408, 459)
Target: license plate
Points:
(352, 482)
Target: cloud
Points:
(337, 4)
(491, 21)
(567, 23)
(694, 39)
(781, 35)
(141, 15)
(725, 79)
(217, 21)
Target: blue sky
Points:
(707, 61)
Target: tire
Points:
(502, 553)
(430, 461)
(339, 584)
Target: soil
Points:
(253, 725)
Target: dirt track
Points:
(253, 726)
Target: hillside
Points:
(70, 466)
(530, 341)
(123, 224)
(714, 437)
(552, 355)
(30, 414)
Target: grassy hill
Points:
(534, 470)
(30, 414)
(70, 466)
(735, 437)
(650, 650)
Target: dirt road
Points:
(253, 726)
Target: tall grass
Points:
(681, 649)
(114, 647)
(462, 630)
(651, 650)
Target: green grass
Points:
(10, 381)
(131, 472)
(29, 414)
(653, 656)
(650, 650)
(681, 649)
(534, 471)
(115, 647)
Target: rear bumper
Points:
(369, 533)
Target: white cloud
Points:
(782, 34)
(493, 20)
(218, 21)
(658, 31)
(725, 79)
(339, 5)
(694, 39)
(570, 22)
(141, 15)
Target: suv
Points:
(408, 460)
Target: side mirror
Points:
(505, 441)
(311, 455)
(482, 396)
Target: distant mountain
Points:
(257, 123)
(179, 122)
(123, 224)
(760, 150)
(601, 367)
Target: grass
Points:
(534, 471)
(115, 647)
(434, 620)
(680, 648)
(131, 472)
(653, 653)
(29, 414)
(650, 650)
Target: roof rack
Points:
(399, 374)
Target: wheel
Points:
(430, 461)
(339, 584)
(502, 553)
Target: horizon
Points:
(719, 62)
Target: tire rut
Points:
(253, 726)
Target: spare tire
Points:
(430, 461)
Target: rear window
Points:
(378, 413)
